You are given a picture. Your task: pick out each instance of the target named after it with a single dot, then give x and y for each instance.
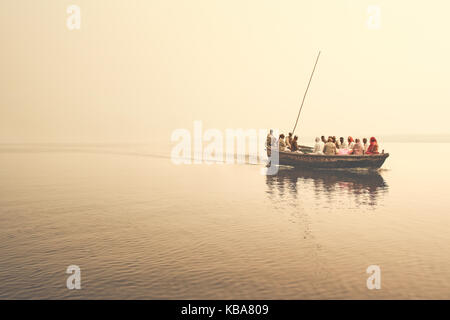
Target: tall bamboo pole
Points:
(306, 91)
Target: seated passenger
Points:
(335, 141)
(281, 143)
(318, 147)
(294, 146)
(289, 140)
(373, 147)
(365, 145)
(342, 144)
(358, 148)
(351, 143)
(330, 147)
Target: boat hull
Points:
(333, 161)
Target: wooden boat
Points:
(309, 160)
(306, 159)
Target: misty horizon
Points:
(229, 64)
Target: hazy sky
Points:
(137, 70)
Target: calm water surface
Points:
(140, 227)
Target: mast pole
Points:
(306, 91)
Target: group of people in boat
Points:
(330, 146)
(333, 146)
(289, 143)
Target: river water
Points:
(140, 227)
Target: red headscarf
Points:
(373, 147)
(351, 139)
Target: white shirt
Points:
(318, 147)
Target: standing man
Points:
(270, 141)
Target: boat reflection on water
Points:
(363, 187)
